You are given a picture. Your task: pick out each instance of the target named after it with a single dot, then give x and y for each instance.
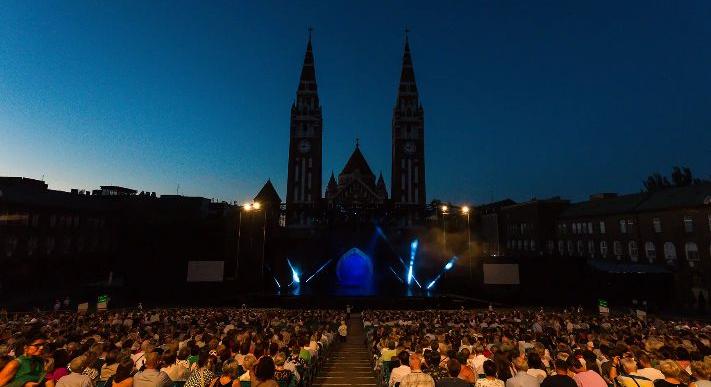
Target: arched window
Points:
(650, 251)
(692, 252)
(669, 252)
(561, 247)
(632, 249)
(570, 248)
(580, 248)
(617, 249)
(603, 248)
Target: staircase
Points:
(349, 364)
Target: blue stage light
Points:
(294, 274)
(395, 274)
(432, 283)
(448, 266)
(355, 269)
(451, 262)
(410, 269)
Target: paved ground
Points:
(349, 364)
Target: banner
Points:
(83, 308)
(602, 307)
(102, 303)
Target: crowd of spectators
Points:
(536, 349)
(162, 348)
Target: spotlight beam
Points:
(395, 274)
(294, 274)
(447, 267)
(319, 270)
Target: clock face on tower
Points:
(304, 146)
(409, 147)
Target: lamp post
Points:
(249, 207)
(465, 211)
(444, 209)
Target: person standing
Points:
(343, 331)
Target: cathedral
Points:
(356, 195)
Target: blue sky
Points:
(521, 98)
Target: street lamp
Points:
(248, 207)
(444, 209)
(465, 211)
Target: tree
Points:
(656, 182)
(680, 177)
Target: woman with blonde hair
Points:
(701, 370)
(672, 374)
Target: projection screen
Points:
(501, 274)
(206, 271)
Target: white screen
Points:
(501, 274)
(206, 271)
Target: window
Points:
(533, 245)
(31, 245)
(570, 248)
(551, 246)
(632, 248)
(580, 248)
(669, 252)
(623, 226)
(591, 248)
(688, 224)
(650, 251)
(617, 248)
(603, 248)
(49, 244)
(590, 228)
(561, 247)
(602, 227)
(52, 220)
(709, 222)
(10, 245)
(692, 252)
(657, 225)
(525, 244)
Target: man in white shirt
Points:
(477, 361)
(396, 374)
(647, 370)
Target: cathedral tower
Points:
(303, 194)
(408, 143)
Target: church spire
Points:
(407, 90)
(307, 93)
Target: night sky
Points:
(521, 99)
